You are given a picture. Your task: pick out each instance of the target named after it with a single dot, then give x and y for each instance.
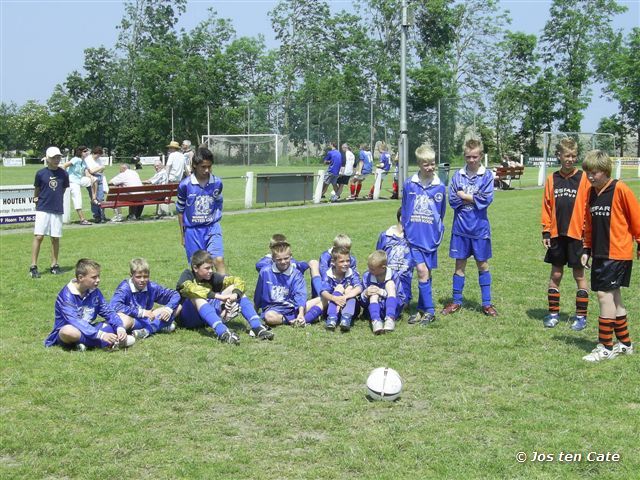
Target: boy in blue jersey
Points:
(267, 260)
(399, 260)
(341, 241)
(339, 288)
(363, 168)
(470, 194)
(379, 294)
(334, 159)
(423, 209)
(50, 184)
(281, 292)
(383, 166)
(76, 311)
(135, 298)
(211, 299)
(199, 207)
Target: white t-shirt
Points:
(348, 165)
(175, 166)
(128, 178)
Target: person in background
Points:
(127, 178)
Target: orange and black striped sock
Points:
(553, 295)
(605, 332)
(582, 302)
(622, 330)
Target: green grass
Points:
(477, 390)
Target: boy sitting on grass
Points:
(135, 298)
(379, 295)
(612, 222)
(211, 298)
(77, 307)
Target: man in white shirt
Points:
(127, 178)
(175, 162)
(188, 156)
(160, 178)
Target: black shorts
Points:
(609, 275)
(564, 251)
(343, 179)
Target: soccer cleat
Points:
(126, 343)
(169, 328)
(427, 319)
(351, 198)
(600, 353)
(140, 334)
(579, 322)
(55, 270)
(415, 318)
(345, 324)
(451, 308)
(80, 347)
(389, 324)
(230, 337)
(377, 327)
(621, 349)
(490, 311)
(262, 333)
(331, 323)
(551, 320)
(33, 272)
(334, 198)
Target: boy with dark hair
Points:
(612, 224)
(77, 307)
(470, 194)
(334, 160)
(135, 298)
(379, 293)
(50, 184)
(563, 210)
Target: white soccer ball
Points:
(384, 383)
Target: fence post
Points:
(248, 190)
(376, 185)
(618, 174)
(317, 195)
(66, 206)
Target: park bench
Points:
(504, 176)
(140, 196)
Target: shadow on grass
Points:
(582, 343)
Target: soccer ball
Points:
(384, 383)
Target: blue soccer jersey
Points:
(132, 302)
(398, 259)
(367, 161)
(82, 312)
(470, 219)
(423, 209)
(52, 184)
(334, 159)
(280, 289)
(200, 206)
(385, 161)
(330, 281)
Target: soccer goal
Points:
(251, 149)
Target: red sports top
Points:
(612, 222)
(564, 204)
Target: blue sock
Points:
(349, 309)
(312, 314)
(484, 279)
(332, 309)
(248, 312)
(374, 311)
(458, 287)
(425, 297)
(316, 286)
(391, 305)
(209, 315)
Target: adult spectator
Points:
(175, 162)
(95, 168)
(127, 178)
(188, 157)
(76, 168)
(160, 178)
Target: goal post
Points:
(248, 149)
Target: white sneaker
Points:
(600, 353)
(140, 334)
(80, 347)
(377, 327)
(622, 349)
(116, 219)
(389, 324)
(169, 328)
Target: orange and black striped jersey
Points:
(564, 204)
(612, 222)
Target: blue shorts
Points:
(288, 313)
(430, 259)
(189, 316)
(465, 247)
(404, 292)
(54, 337)
(208, 237)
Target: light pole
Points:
(404, 134)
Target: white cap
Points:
(53, 151)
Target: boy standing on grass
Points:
(199, 207)
(77, 307)
(363, 168)
(470, 194)
(334, 160)
(423, 209)
(612, 224)
(379, 294)
(563, 210)
(50, 184)
(382, 168)
(211, 299)
(281, 292)
(135, 298)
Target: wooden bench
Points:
(140, 196)
(504, 175)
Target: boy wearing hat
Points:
(175, 162)
(50, 184)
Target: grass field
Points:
(477, 390)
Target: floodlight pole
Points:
(172, 136)
(404, 134)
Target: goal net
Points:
(251, 149)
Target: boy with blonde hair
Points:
(267, 260)
(612, 223)
(379, 293)
(135, 298)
